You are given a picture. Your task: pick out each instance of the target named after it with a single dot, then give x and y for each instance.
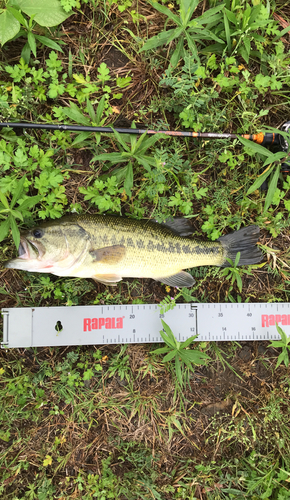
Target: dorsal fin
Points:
(179, 225)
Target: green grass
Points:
(119, 421)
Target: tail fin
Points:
(243, 241)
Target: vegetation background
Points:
(122, 421)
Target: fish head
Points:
(49, 248)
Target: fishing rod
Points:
(269, 139)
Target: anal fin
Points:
(179, 279)
(107, 279)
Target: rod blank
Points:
(267, 139)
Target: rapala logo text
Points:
(98, 323)
(272, 319)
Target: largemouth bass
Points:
(108, 248)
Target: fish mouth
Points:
(27, 249)
(22, 250)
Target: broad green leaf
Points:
(47, 12)
(254, 13)
(259, 181)
(91, 110)
(100, 109)
(30, 202)
(209, 13)
(203, 33)
(195, 356)
(160, 350)
(176, 56)
(113, 157)
(17, 15)
(178, 370)
(192, 45)
(169, 356)
(97, 137)
(188, 341)
(121, 140)
(128, 184)
(237, 259)
(75, 114)
(239, 282)
(283, 357)
(214, 48)
(32, 43)
(282, 334)
(167, 12)
(119, 173)
(228, 33)
(26, 52)
(247, 48)
(187, 8)
(9, 26)
(187, 362)
(272, 188)
(16, 214)
(143, 162)
(146, 159)
(231, 16)
(81, 137)
(133, 140)
(48, 43)
(169, 333)
(4, 200)
(276, 157)
(167, 340)
(157, 40)
(255, 147)
(15, 231)
(140, 143)
(175, 34)
(282, 33)
(4, 228)
(149, 142)
(277, 343)
(18, 191)
(246, 17)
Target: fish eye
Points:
(37, 233)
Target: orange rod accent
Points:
(258, 138)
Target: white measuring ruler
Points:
(130, 324)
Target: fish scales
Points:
(150, 247)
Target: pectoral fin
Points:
(109, 255)
(107, 279)
(179, 279)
